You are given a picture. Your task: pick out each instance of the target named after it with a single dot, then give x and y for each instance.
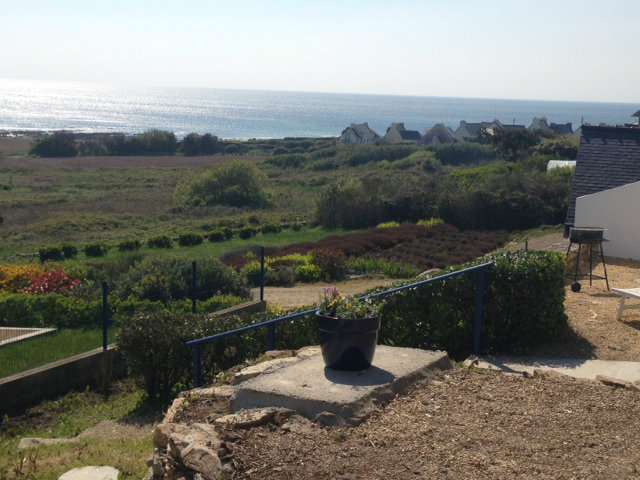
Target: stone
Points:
(203, 460)
(164, 430)
(91, 473)
(175, 407)
(613, 382)
(249, 418)
(197, 448)
(306, 352)
(262, 368)
(299, 425)
(273, 354)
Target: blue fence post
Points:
(262, 274)
(194, 286)
(196, 366)
(105, 314)
(271, 337)
(477, 323)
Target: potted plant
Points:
(347, 330)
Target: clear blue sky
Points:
(544, 49)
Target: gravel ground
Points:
(464, 425)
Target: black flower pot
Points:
(347, 344)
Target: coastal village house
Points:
(606, 187)
(437, 135)
(359, 133)
(540, 124)
(396, 133)
(468, 130)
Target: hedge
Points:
(64, 311)
(524, 307)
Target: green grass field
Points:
(38, 351)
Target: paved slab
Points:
(314, 390)
(577, 368)
(91, 473)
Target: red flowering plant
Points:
(54, 281)
(335, 305)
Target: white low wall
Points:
(617, 210)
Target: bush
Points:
(309, 273)
(251, 271)
(432, 222)
(53, 309)
(189, 239)
(50, 253)
(167, 279)
(237, 184)
(163, 363)
(15, 278)
(60, 144)
(129, 245)
(524, 307)
(160, 241)
(388, 225)
(217, 236)
(228, 233)
(51, 282)
(68, 250)
(95, 250)
(271, 228)
(332, 263)
(247, 232)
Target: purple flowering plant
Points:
(334, 304)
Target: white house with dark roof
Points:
(359, 133)
(540, 124)
(396, 133)
(608, 159)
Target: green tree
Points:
(513, 145)
(190, 144)
(60, 144)
(237, 183)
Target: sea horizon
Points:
(36, 105)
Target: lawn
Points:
(38, 351)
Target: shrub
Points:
(68, 250)
(388, 225)
(228, 233)
(189, 239)
(15, 278)
(251, 271)
(60, 144)
(217, 236)
(309, 273)
(332, 263)
(53, 309)
(160, 241)
(129, 245)
(271, 228)
(432, 222)
(163, 363)
(95, 250)
(166, 279)
(50, 282)
(247, 232)
(50, 253)
(524, 307)
(237, 184)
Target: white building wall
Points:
(617, 210)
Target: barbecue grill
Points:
(592, 238)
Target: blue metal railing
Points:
(271, 324)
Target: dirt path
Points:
(309, 293)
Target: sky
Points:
(544, 50)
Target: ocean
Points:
(242, 114)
